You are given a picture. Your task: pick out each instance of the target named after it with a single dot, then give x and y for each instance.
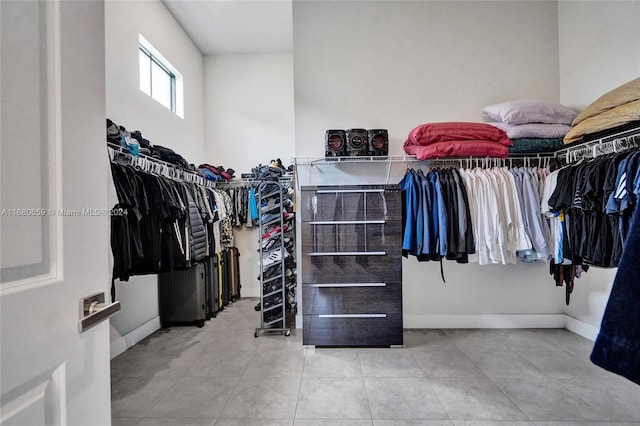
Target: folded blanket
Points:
(534, 145)
(428, 133)
(608, 119)
(464, 148)
(533, 130)
(621, 95)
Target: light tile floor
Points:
(221, 375)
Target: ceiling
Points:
(219, 27)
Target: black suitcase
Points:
(224, 278)
(234, 269)
(211, 285)
(182, 296)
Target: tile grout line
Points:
(491, 380)
(428, 380)
(304, 363)
(364, 385)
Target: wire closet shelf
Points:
(616, 142)
(156, 166)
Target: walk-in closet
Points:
(307, 213)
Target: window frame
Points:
(152, 58)
(172, 77)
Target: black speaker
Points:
(357, 142)
(335, 143)
(378, 142)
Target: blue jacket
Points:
(617, 347)
(411, 241)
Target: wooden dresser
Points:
(351, 265)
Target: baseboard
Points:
(119, 343)
(485, 321)
(581, 328)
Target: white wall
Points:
(592, 62)
(128, 106)
(395, 65)
(249, 109)
(249, 121)
(399, 64)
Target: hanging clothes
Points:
(594, 200)
(166, 223)
(489, 216)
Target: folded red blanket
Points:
(463, 148)
(429, 133)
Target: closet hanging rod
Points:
(611, 146)
(633, 133)
(122, 150)
(406, 159)
(471, 162)
(186, 175)
(244, 181)
(311, 161)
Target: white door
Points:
(54, 227)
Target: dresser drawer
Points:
(350, 204)
(352, 268)
(372, 330)
(352, 298)
(360, 237)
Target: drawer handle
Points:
(341, 191)
(349, 285)
(347, 222)
(349, 253)
(352, 316)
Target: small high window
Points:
(159, 79)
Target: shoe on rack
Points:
(272, 300)
(268, 243)
(291, 284)
(270, 272)
(271, 287)
(289, 247)
(272, 317)
(273, 193)
(272, 257)
(271, 231)
(275, 230)
(269, 204)
(290, 262)
(266, 218)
